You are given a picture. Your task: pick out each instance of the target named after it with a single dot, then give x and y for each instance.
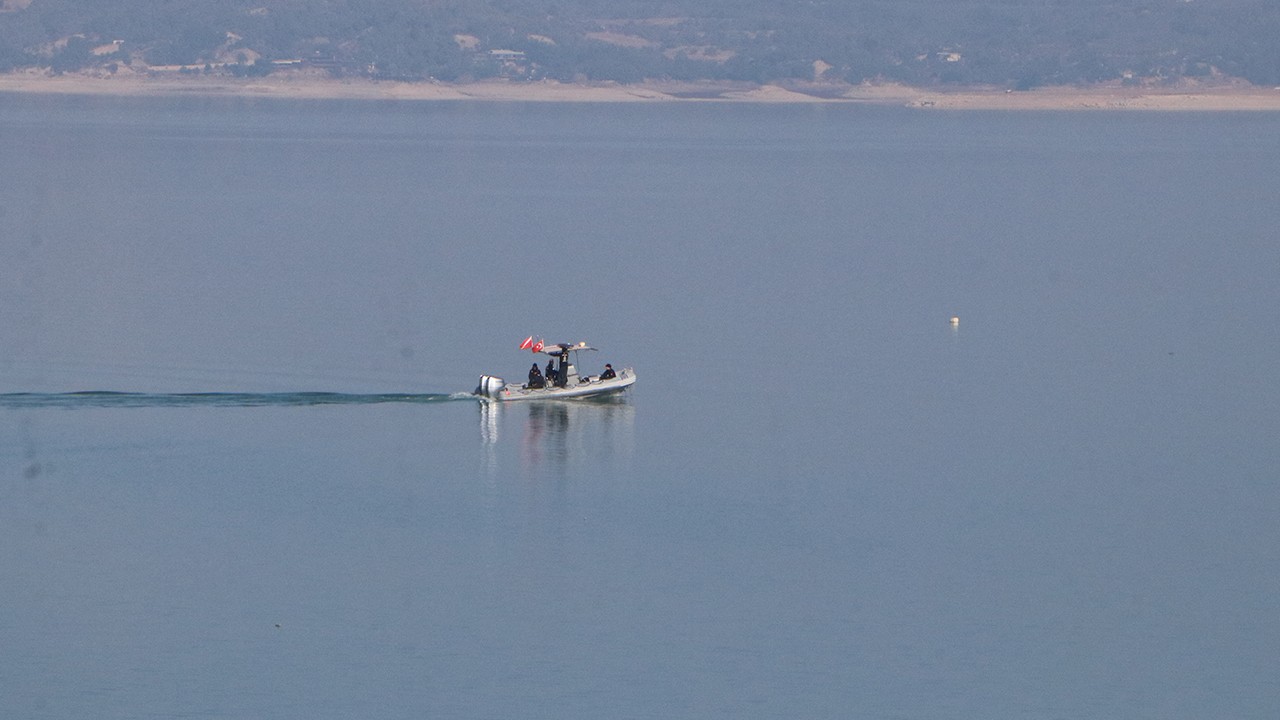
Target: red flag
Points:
(537, 347)
(528, 343)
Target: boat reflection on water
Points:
(558, 435)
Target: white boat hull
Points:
(580, 389)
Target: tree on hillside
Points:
(1014, 42)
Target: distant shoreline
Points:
(1185, 96)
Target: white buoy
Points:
(955, 320)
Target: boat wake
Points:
(102, 399)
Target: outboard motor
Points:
(489, 386)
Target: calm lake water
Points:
(821, 499)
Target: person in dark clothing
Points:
(608, 372)
(551, 372)
(535, 377)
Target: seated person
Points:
(551, 372)
(535, 377)
(608, 372)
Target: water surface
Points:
(239, 476)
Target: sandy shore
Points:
(1225, 96)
